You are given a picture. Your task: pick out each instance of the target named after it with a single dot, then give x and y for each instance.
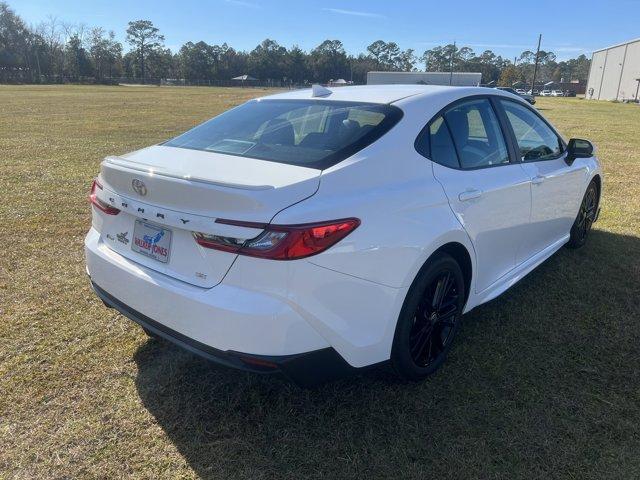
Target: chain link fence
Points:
(27, 77)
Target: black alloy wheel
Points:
(434, 320)
(430, 319)
(586, 217)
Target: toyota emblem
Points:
(139, 187)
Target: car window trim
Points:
(507, 132)
(453, 142)
(514, 139)
(423, 139)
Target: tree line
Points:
(55, 51)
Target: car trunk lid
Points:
(165, 194)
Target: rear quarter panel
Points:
(404, 212)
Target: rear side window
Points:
(309, 133)
(536, 140)
(477, 135)
(442, 149)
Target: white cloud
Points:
(354, 13)
(570, 49)
(500, 45)
(553, 48)
(479, 45)
(242, 3)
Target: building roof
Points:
(378, 93)
(244, 77)
(617, 45)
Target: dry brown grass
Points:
(543, 382)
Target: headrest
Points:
(278, 132)
(459, 124)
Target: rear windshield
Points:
(309, 133)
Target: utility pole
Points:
(535, 66)
(451, 64)
(637, 89)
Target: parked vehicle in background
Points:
(521, 91)
(318, 232)
(557, 93)
(535, 92)
(569, 93)
(528, 98)
(545, 93)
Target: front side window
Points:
(477, 135)
(536, 140)
(310, 133)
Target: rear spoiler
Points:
(154, 170)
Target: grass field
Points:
(544, 382)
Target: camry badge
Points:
(139, 187)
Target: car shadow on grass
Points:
(539, 384)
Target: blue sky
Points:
(568, 27)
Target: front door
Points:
(555, 185)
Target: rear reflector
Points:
(257, 362)
(99, 204)
(282, 242)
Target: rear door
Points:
(489, 194)
(556, 188)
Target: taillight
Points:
(282, 242)
(99, 204)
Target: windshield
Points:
(310, 133)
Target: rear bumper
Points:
(308, 321)
(261, 307)
(305, 369)
(226, 317)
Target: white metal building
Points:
(459, 79)
(615, 72)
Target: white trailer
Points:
(459, 79)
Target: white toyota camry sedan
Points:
(318, 232)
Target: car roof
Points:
(380, 93)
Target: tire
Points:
(429, 320)
(586, 216)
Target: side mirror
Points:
(579, 148)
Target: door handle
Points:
(469, 194)
(538, 179)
